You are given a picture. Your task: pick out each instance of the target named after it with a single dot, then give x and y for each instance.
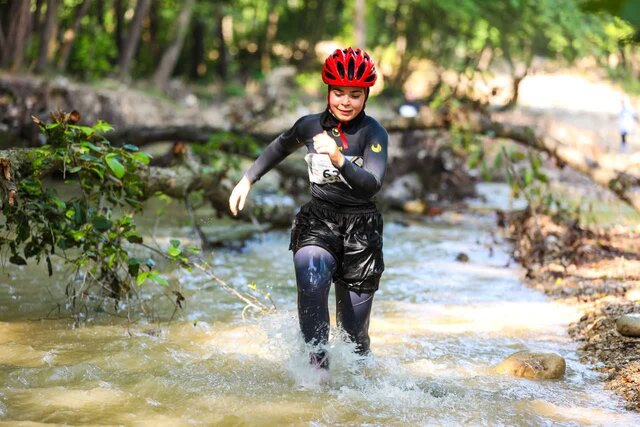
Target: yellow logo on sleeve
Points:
(376, 148)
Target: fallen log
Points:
(20, 97)
(619, 177)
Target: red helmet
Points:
(349, 67)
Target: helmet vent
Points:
(360, 71)
(351, 65)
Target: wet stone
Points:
(629, 325)
(538, 366)
(462, 257)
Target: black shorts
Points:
(353, 236)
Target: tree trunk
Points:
(19, 26)
(618, 173)
(154, 31)
(118, 12)
(37, 16)
(223, 56)
(70, 35)
(46, 36)
(400, 29)
(625, 184)
(515, 87)
(170, 57)
(133, 37)
(99, 14)
(3, 43)
(270, 35)
(360, 35)
(198, 68)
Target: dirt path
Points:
(597, 267)
(578, 108)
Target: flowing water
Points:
(438, 328)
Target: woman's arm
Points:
(367, 180)
(275, 152)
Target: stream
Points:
(438, 328)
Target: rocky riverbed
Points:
(597, 268)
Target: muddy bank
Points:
(597, 268)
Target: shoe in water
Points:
(319, 360)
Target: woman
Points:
(337, 236)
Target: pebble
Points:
(629, 325)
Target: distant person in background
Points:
(626, 122)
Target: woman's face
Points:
(346, 102)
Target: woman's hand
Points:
(324, 144)
(239, 195)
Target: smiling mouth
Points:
(344, 112)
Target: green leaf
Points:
(536, 164)
(18, 260)
(77, 235)
(528, 177)
(173, 251)
(142, 277)
(141, 157)
(100, 223)
(130, 147)
(517, 156)
(160, 280)
(91, 146)
(175, 243)
(85, 129)
(134, 269)
(497, 161)
(133, 237)
(89, 158)
(59, 203)
(115, 165)
(102, 127)
(542, 177)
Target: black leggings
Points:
(315, 266)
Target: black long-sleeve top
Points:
(365, 151)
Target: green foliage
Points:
(93, 53)
(452, 35)
(221, 151)
(527, 179)
(89, 231)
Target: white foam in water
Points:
(285, 344)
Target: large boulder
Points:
(629, 325)
(537, 366)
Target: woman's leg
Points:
(352, 312)
(314, 267)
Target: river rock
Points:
(629, 325)
(462, 257)
(537, 366)
(415, 206)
